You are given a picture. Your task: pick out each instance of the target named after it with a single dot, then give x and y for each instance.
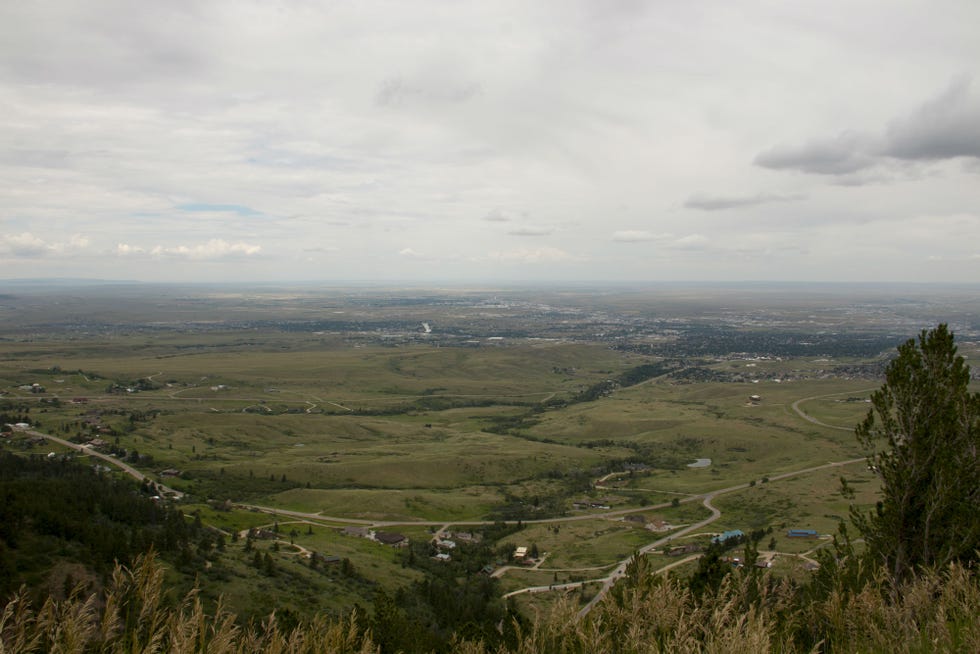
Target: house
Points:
(442, 556)
(391, 538)
(636, 517)
(755, 399)
(358, 532)
(467, 537)
(658, 525)
(801, 533)
(731, 534)
(520, 553)
(680, 550)
(325, 558)
(169, 472)
(446, 544)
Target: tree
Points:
(922, 434)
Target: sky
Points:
(490, 141)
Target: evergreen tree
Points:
(923, 432)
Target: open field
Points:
(813, 501)
(553, 415)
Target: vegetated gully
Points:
(606, 582)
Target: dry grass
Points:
(647, 614)
(132, 617)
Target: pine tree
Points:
(923, 432)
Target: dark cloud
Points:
(496, 216)
(203, 207)
(946, 127)
(845, 153)
(35, 158)
(103, 46)
(530, 230)
(943, 128)
(396, 91)
(717, 203)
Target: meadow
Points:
(382, 423)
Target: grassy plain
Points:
(377, 421)
(314, 424)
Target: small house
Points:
(680, 550)
(358, 532)
(728, 535)
(391, 538)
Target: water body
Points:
(700, 463)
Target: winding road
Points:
(607, 582)
(125, 467)
(806, 416)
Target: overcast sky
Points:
(493, 140)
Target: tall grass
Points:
(936, 612)
(133, 617)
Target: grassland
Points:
(353, 414)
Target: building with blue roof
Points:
(734, 533)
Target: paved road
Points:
(809, 418)
(607, 582)
(620, 569)
(704, 497)
(128, 469)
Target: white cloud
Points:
(213, 249)
(23, 245)
(125, 250)
(27, 245)
(635, 236)
(158, 131)
(691, 242)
